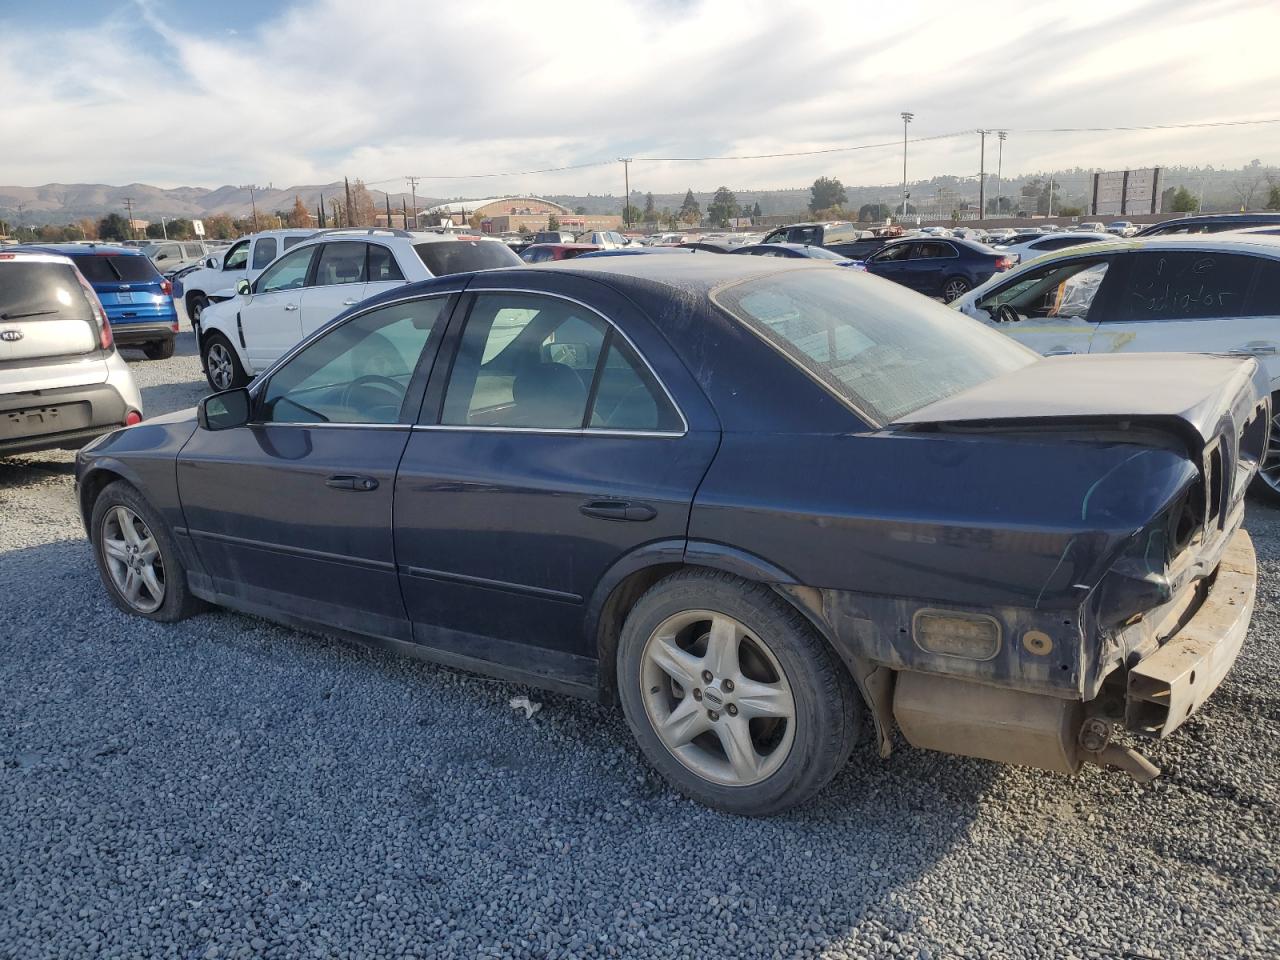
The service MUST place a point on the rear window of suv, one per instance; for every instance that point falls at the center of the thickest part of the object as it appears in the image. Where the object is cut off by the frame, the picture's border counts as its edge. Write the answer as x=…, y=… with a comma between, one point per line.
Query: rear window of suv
x=42, y=291
x=462, y=256
x=117, y=268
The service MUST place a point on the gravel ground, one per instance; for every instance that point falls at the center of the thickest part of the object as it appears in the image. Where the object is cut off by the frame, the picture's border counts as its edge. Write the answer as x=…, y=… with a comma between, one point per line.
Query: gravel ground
x=230, y=788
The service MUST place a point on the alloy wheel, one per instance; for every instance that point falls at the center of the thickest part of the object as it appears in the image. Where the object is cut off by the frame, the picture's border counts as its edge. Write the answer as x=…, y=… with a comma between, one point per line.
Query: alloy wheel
x=717, y=698
x=954, y=289
x=221, y=369
x=1269, y=471
x=133, y=559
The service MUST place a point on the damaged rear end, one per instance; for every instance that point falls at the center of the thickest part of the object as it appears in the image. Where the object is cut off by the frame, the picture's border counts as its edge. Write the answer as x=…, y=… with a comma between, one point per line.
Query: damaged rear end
x=1145, y=610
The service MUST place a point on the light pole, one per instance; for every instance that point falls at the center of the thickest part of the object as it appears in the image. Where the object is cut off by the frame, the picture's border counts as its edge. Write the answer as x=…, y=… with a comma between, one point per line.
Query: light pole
x=1000, y=135
x=982, y=175
x=626, y=190
x=413, y=189
x=907, y=117
x=164, y=229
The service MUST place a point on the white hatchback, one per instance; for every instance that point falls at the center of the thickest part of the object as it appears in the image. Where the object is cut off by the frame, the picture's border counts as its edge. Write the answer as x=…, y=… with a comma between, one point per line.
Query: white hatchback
x=1207, y=293
x=321, y=277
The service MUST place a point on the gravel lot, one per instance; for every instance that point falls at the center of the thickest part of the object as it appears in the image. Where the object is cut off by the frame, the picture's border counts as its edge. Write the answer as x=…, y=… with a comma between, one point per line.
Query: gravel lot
x=229, y=788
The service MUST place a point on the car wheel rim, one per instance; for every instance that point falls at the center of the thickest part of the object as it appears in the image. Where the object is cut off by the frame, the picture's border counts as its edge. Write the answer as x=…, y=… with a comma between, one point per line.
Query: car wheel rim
x=1270, y=469
x=953, y=289
x=717, y=698
x=220, y=369
x=197, y=308
x=133, y=559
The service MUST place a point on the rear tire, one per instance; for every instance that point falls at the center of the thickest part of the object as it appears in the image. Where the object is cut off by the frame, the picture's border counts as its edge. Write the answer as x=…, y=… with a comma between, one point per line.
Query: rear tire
x=196, y=302
x=759, y=744
x=222, y=366
x=160, y=350
x=954, y=288
x=137, y=558
x=1267, y=483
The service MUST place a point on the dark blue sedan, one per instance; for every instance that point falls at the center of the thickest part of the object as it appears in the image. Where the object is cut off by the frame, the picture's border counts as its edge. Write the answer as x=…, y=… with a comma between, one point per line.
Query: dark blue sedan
x=946, y=268
x=794, y=251
x=745, y=498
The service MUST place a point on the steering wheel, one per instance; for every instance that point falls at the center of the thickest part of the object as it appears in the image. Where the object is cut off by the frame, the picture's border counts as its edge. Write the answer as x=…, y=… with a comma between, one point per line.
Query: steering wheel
x=1007, y=314
x=376, y=382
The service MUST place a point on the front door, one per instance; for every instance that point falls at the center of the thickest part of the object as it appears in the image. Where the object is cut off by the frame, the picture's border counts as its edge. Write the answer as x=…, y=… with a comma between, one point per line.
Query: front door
x=338, y=283
x=270, y=316
x=1053, y=309
x=292, y=513
x=551, y=451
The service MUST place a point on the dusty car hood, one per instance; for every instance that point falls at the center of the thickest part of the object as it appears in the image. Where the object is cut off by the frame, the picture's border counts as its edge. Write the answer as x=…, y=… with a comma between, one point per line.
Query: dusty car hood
x=1180, y=390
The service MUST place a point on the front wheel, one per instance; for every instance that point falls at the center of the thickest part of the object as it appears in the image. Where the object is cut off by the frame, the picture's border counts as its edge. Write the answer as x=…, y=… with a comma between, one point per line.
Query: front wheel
x=196, y=303
x=1267, y=483
x=222, y=368
x=954, y=288
x=731, y=694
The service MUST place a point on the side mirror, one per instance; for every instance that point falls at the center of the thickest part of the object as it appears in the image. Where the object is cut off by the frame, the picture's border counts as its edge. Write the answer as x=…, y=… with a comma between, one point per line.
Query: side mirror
x=223, y=411
x=211, y=263
x=243, y=287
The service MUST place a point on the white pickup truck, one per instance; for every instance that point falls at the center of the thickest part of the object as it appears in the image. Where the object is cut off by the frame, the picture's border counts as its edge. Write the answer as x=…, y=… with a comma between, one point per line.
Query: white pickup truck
x=217, y=279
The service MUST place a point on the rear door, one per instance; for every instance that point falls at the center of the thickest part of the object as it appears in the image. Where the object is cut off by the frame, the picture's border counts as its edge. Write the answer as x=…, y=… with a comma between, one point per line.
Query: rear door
x=270, y=317
x=546, y=451
x=926, y=265
x=338, y=282
x=1195, y=301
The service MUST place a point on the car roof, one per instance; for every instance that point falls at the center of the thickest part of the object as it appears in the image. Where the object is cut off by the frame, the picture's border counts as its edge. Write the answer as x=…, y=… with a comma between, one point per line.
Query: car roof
x=83, y=249
x=13, y=254
x=1258, y=244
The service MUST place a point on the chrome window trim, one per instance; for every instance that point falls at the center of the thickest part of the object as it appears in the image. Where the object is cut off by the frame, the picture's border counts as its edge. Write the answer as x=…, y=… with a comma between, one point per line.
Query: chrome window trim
x=555, y=431
x=684, y=421
x=338, y=425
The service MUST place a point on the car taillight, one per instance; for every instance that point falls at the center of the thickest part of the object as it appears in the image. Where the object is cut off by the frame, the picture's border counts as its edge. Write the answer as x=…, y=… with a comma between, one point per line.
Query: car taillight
x=1004, y=263
x=132, y=417
x=104, y=325
x=166, y=288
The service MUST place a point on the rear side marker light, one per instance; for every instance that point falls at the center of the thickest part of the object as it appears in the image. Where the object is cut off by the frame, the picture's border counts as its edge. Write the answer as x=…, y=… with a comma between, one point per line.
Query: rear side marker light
x=174, y=326
x=954, y=633
x=132, y=417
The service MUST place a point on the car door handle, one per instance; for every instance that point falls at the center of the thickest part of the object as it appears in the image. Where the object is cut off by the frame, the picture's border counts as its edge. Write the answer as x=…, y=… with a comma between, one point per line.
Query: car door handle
x=350, y=303
x=617, y=510
x=291, y=306
x=1255, y=349
x=344, y=481
x=1061, y=352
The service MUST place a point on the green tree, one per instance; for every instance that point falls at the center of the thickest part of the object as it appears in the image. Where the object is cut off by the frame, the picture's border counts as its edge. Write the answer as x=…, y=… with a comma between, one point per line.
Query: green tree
x=631, y=213
x=1273, y=198
x=756, y=212
x=1000, y=206
x=1183, y=201
x=690, y=210
x=826, y=192
x=524, y=230
x=874, y=212
x=650, y=214
x=553, y=222
x=113, y=227
x=155, y=231
x=580, y=210
x=723, y=207
x=1069, y=211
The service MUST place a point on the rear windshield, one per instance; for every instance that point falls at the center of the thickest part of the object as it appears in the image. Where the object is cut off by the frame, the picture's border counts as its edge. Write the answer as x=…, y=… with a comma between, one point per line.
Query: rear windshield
x=41, y=291
x=108, y=268
x=881, y=347
x=462, y=256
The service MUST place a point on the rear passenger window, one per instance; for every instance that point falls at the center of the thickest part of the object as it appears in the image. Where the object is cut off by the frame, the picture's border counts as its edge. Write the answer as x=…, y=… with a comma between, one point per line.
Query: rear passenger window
x=627, y=396
x=264, y=251
x=341, y=263
x=1186, y=285
x=382, y=264
x=1265, y=301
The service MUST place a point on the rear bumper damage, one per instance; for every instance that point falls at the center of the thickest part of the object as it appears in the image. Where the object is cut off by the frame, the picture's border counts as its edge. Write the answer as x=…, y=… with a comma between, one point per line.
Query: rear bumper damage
x=1162, y=690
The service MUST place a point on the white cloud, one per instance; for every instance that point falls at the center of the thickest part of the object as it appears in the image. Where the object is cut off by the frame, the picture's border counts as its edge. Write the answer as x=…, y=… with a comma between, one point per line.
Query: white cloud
x=391, y=87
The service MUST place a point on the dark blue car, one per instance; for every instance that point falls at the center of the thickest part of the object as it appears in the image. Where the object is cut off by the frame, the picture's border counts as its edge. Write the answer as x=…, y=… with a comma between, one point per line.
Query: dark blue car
x=746, y=498
x=938, y=267
x=794, y=251
x=137, y=299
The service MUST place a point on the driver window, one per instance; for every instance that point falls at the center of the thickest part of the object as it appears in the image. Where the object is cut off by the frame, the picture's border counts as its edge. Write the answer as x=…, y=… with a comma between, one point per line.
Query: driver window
x=289, y=273
x=237, y=257
x=1061, y=291
x=358, y=372
x=897, y=251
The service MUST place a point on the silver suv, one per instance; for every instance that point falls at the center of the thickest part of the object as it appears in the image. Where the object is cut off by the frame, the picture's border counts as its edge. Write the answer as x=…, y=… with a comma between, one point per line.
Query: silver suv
x=61, y=379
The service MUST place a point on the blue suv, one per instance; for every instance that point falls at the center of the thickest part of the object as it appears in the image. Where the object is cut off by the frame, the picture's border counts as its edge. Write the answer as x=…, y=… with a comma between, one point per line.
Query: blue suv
x=137, y=299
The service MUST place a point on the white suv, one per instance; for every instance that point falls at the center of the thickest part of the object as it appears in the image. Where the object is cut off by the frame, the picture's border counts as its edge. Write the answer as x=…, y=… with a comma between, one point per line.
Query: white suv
x=320, y=278
x=61, y=379
x=243, y=260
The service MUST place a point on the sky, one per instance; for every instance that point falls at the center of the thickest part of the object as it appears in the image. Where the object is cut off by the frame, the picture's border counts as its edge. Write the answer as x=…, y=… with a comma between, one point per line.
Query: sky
x=176, y=93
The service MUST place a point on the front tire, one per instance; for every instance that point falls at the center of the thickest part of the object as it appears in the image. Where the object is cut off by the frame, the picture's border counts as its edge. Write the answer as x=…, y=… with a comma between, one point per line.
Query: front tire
x=732, y=695
x=196, y=302
x=222, y=367
x=1267, y=483
x=136, y=556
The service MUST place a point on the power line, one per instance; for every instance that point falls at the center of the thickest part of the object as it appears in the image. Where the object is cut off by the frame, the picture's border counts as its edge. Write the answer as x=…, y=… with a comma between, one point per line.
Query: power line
x=1155, y=126
x=804, y=153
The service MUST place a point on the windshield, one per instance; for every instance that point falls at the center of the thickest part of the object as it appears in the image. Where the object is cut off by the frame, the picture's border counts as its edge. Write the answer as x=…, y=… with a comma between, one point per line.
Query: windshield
x=100, y=268
x=462, y=256
x=881, y=347
x=37, y=290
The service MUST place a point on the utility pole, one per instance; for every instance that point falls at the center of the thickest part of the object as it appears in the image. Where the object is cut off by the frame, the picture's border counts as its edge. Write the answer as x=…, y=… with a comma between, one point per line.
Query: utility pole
x=907, y=117
x=1000, y=135
x=982, y=176
x=164, y=229
x=413, y=189
x=128, y=205
x=626, y=190
x=253, y=203
x=1050, y=195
